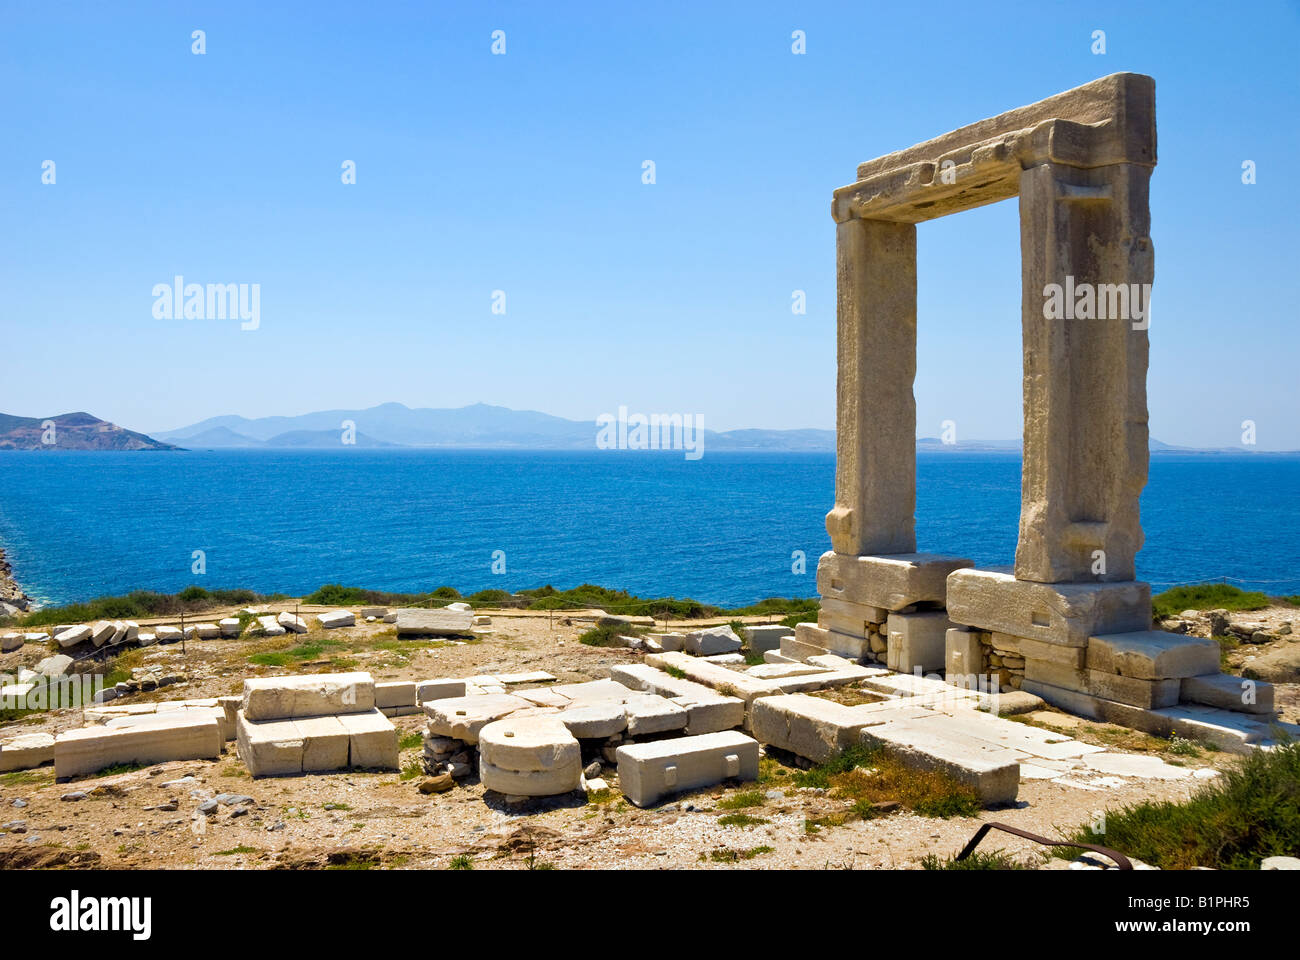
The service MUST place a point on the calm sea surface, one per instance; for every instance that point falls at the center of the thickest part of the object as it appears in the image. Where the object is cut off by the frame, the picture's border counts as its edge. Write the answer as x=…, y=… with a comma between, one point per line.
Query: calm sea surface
x=721, y=529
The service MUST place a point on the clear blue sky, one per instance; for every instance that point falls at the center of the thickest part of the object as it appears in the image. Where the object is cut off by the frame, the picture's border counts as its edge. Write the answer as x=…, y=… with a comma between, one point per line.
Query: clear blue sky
x=523, y=173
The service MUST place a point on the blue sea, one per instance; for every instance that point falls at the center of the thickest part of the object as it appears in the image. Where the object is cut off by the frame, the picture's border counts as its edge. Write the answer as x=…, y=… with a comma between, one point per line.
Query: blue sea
x=725, y=529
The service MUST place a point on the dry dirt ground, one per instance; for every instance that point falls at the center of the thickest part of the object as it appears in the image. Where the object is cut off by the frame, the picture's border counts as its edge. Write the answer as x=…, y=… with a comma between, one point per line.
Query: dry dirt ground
x=148, y=818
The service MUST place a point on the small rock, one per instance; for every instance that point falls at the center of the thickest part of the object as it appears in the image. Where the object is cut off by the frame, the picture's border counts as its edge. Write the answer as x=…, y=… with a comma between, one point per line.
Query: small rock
x=278, y=825
x=775, y=794
x=239, y=812
x=592, y=770
x=19, y=802
x=74, y=795
x=20, y=826
x=208, y=807
x=439, y=784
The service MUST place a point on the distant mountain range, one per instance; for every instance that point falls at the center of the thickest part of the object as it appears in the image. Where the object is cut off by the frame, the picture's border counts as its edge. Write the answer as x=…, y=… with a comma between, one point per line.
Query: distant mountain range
x=71, y=431
x=478, y=425
x=395, y=425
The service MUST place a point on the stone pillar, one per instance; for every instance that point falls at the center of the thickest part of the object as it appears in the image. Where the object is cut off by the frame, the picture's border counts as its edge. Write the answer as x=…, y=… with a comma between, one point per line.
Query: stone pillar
x=1085, y=447
x=875, y=462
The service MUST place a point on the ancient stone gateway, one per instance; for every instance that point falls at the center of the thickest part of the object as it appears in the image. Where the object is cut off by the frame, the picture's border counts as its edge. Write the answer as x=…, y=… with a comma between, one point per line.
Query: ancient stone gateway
x=1080, y=163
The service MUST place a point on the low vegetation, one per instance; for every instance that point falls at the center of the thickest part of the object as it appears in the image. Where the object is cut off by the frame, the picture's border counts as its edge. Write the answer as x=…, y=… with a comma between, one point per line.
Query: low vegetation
x=1249, y=812
x=1206, y=596
x=609, y=635
x=996, y=860
x=874, y=782
x=141, y=604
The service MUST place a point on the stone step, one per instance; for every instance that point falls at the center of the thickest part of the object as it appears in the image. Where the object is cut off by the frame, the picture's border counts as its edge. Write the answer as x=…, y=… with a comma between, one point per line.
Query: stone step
x=1227, y=692
x=1152, y=655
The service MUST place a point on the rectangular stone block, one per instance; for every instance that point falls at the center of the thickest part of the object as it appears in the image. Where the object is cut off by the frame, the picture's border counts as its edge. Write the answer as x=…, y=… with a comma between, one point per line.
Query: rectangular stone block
x=90, y=749
x=337, y=618
x=670, y=642
x=324, y=744
x=292, y=622
x=832, y=642
x=713, y=641
x=647, y=772
x=892, y=581
x=802, y=645
x=1062, y=613
x=441, y=622
x=917, y=641
x=707, y=710
x=763, y=637
x=72, y=635
x=963, y=657
x=443, y=688
x=729, y=683
x=26, y=751
x=990, y=772
x=844, y=616
x=809, y=727
x=372, y=740
x=268, y=624
x=1148, y=694
x=271, y=748
x=1153, y=655
x=1229, y=693
x=649, y=713
x=396, y=693
x=308, y=695
x=1072, y=657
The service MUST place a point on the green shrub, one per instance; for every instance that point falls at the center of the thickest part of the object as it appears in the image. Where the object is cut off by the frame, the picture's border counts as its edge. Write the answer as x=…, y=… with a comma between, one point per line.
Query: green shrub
x=1205, y=596
x=1249, y=812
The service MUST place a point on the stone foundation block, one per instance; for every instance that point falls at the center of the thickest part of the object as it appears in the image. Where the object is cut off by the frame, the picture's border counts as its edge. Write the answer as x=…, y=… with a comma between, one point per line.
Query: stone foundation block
x=1153, y=655
x=963, y=657
x=1229, y=693
x=1148, y=694
x=324, y=744
x=831, y=641
x=890, y=581
x=308, y=695
x=1061, y=613
x=917, y=640
x=372, y=740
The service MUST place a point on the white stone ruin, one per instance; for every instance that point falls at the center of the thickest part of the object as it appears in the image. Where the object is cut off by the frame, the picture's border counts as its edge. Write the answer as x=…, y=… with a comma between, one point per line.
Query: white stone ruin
x=1070, y=622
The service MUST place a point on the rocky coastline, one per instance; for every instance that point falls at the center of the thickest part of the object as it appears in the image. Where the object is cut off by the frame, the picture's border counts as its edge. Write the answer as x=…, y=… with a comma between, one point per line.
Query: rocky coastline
x=12, y=598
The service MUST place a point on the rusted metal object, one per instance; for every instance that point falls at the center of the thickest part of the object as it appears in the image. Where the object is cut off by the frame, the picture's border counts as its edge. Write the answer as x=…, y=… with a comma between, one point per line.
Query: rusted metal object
x=1121, y=861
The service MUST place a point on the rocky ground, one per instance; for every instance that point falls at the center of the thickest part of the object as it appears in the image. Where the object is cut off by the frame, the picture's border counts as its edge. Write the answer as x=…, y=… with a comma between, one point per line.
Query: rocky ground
x=150, y=817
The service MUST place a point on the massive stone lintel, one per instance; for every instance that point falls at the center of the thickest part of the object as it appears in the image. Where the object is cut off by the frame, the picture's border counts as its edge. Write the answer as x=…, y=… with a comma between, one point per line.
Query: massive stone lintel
x=1111, y=120
x=1059, y=613
x=890, y=582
